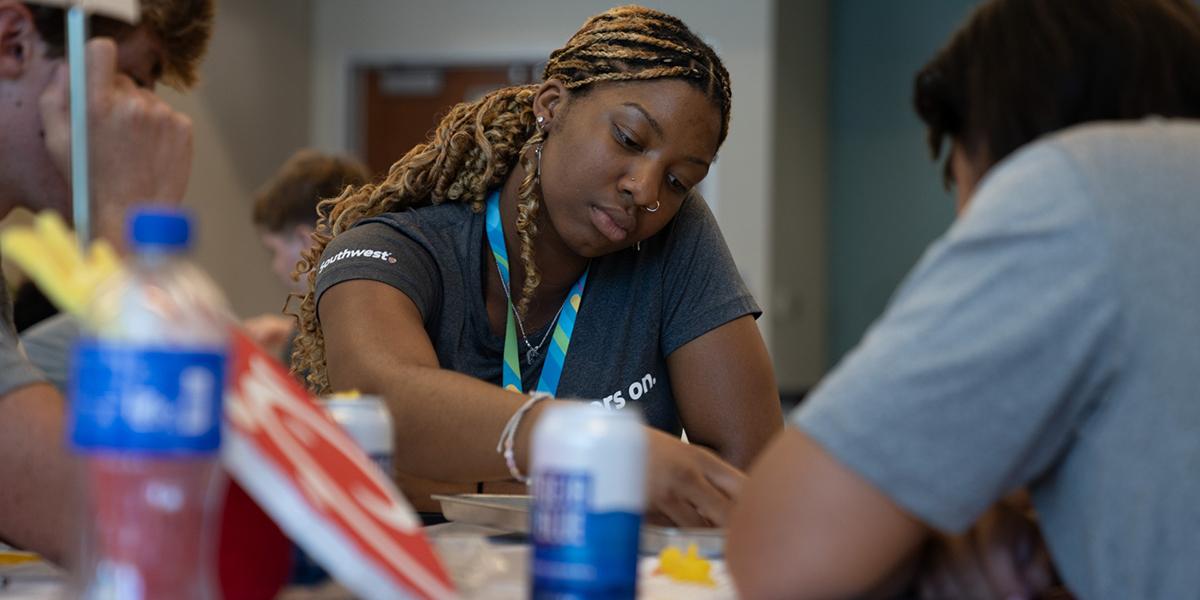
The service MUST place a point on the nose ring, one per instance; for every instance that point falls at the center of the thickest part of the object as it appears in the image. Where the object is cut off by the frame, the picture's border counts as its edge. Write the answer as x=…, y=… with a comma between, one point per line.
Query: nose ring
x=657, y=205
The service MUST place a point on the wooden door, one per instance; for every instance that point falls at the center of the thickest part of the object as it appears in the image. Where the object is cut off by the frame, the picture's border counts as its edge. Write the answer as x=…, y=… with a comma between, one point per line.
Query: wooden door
x=401, y=106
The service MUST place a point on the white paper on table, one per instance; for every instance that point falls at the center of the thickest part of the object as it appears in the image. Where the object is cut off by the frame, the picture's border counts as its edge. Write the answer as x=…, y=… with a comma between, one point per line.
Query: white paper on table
x=32, y=581
x=483, y=570
x=125, y=10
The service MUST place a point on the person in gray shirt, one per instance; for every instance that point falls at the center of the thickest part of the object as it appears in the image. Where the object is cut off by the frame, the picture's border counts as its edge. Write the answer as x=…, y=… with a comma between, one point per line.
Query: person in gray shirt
x=557, y=218
x=1048, y=341
x=141, y=149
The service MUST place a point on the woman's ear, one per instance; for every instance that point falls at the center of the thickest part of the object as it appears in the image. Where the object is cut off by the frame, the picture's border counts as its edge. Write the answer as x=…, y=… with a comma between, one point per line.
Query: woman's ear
x=549, y=101
x=17, y=37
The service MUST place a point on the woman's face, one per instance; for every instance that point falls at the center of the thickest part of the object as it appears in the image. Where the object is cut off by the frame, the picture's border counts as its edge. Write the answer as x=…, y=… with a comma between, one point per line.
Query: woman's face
x=618, y=150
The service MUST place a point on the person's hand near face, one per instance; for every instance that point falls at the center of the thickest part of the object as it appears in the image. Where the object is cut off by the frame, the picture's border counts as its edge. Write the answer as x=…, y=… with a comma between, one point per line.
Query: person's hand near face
x=141, y=148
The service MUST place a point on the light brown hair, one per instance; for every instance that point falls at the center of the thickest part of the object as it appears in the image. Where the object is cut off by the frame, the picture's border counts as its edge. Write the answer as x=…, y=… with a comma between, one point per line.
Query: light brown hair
x=308, y=177
x=183, y=26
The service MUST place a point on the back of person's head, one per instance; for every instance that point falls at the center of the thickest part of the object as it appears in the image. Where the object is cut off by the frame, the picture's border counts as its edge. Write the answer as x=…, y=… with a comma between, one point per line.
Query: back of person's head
x=290, y=198
x=184, y=28
x=478, y=144
x=1020, y=69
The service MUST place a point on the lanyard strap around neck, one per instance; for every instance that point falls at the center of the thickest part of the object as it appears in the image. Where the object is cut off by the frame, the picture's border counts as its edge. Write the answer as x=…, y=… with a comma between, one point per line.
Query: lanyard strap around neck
x=556, y=354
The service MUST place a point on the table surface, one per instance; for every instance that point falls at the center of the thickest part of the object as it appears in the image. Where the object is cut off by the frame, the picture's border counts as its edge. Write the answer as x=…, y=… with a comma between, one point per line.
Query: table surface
x=481, y=566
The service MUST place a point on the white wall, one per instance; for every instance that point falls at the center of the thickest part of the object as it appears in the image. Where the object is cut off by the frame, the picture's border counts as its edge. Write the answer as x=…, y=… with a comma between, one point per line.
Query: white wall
x=349, y=32
x=799, y=304
x=250, y=112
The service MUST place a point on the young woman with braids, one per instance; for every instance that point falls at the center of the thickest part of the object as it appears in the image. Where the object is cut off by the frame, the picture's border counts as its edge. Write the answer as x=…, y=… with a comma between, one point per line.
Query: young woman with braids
x=587, y=180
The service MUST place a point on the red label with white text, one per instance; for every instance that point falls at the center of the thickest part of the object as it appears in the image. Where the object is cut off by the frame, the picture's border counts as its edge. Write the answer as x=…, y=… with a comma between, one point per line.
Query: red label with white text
x=319, y=486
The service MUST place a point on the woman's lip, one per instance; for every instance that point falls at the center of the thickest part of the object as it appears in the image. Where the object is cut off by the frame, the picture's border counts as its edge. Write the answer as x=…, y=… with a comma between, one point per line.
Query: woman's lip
x=607, y=225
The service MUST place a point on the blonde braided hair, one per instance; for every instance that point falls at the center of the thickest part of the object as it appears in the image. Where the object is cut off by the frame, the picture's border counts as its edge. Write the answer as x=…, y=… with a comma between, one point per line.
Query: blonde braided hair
x=477, y=145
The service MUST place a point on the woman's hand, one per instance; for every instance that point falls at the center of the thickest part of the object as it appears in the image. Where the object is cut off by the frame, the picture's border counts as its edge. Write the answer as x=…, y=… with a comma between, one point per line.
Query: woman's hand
x=687, y=485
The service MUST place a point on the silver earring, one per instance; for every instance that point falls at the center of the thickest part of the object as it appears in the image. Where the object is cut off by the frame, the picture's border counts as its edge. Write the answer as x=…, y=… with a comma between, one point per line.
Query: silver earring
x=638, y=246
x=541, y=122
x=538, y=152
x=657, y=205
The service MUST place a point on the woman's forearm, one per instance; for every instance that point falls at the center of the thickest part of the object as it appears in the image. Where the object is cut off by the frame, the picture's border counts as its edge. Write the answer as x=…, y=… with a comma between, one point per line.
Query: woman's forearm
x=447, y=424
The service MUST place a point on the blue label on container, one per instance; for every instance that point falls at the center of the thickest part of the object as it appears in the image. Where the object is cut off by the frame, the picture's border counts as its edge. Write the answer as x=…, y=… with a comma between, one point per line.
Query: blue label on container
x=580, y=553
x=132, y=398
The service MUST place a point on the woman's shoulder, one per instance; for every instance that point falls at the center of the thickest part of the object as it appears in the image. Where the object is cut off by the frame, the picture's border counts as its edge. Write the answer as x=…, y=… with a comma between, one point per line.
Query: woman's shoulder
x=426, y=218
x=693, y=225
x=431, y=228
x=695, y=215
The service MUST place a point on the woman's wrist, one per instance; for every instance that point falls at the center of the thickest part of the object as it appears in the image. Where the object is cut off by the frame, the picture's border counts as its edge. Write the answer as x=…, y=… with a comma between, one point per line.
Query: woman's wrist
x=517, y=436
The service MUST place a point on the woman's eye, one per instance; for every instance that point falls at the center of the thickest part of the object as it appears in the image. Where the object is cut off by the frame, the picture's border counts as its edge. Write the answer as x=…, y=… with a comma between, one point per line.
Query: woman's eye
x=624, y=139
x=676, y=184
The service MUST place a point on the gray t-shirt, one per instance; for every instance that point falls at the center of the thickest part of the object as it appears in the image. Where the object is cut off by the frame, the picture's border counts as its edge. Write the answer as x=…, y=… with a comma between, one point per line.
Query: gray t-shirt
x=1051, y=339
x=638, y=307
x=48, y=346
x=15, y=370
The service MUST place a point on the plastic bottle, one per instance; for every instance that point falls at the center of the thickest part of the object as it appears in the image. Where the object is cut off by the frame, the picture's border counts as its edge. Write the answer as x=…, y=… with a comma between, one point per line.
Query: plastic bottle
x=147, y=391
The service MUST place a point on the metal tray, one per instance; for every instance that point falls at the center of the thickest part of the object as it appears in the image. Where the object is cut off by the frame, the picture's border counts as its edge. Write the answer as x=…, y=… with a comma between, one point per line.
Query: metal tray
x=511, y=513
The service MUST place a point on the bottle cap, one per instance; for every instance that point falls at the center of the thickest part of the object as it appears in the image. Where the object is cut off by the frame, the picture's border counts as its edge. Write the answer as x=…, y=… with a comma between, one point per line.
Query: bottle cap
x=161, y=227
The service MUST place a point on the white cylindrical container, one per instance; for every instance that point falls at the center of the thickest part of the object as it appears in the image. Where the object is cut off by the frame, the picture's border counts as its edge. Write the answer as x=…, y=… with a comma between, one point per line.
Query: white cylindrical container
x=588, y=476
x=368, y=422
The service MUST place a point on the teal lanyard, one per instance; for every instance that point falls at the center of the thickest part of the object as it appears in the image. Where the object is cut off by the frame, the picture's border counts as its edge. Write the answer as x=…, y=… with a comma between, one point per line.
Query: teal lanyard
x=556, y=355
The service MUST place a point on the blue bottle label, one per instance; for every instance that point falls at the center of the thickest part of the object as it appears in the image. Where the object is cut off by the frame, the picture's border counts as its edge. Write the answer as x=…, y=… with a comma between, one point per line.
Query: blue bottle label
x=134, y=398
x=580, y=552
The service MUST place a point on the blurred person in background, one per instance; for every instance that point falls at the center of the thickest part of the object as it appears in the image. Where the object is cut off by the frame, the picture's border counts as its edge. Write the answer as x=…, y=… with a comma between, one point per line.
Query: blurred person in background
x=140, y=148
x=589, y=179
x=1047, y=341
x=285, y=212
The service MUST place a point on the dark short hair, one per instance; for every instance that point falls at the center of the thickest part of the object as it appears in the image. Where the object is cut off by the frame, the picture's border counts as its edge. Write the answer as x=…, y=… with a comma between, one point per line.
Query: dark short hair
x=183, y=26
x=291, y=196
x=1020, y=69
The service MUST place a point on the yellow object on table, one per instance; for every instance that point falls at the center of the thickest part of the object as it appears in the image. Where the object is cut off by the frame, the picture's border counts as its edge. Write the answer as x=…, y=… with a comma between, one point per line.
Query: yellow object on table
x=16, y=557
x=47, y=252
x=687, y=568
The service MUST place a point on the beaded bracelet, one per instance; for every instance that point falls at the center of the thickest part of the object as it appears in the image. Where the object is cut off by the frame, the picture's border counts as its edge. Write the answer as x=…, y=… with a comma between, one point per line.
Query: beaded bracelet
x=509, y=435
